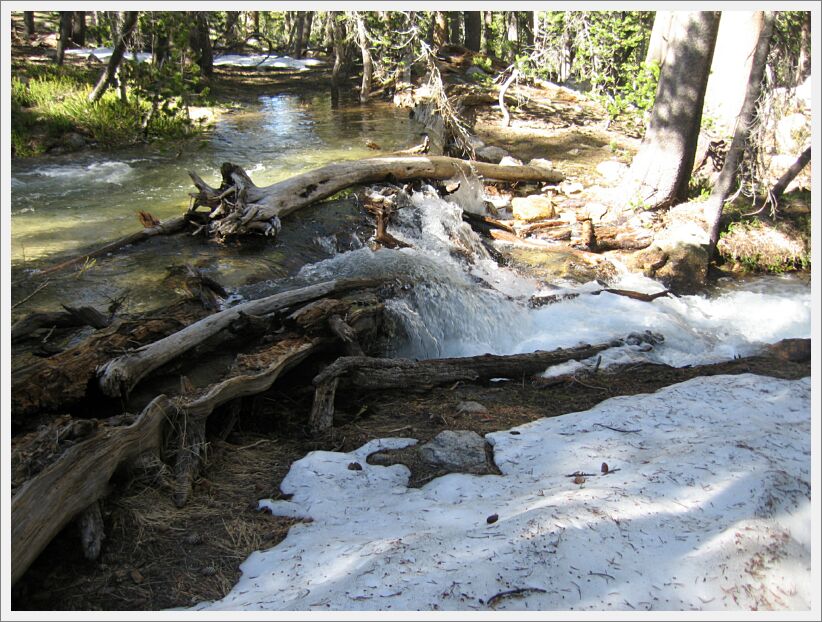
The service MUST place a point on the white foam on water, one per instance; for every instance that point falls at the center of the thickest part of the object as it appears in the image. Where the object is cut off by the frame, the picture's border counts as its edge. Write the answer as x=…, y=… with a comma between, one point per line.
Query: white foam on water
x=458, y=307
x=107, y=172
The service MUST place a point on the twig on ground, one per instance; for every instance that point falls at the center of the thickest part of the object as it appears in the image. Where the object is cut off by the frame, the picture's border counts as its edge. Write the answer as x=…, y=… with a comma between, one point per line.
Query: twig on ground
x=519, y=590
x=602, y=425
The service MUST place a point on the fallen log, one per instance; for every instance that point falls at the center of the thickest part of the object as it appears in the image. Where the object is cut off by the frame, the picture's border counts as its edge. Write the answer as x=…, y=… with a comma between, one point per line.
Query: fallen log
x=46, y=503
x=239, y=207
x=610, y=238
x=380, y=373
x=71, y=317
x=120, y=375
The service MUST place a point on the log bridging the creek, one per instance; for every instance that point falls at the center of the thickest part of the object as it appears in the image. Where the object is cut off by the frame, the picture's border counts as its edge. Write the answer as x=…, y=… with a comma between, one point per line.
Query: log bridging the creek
x=239, y=207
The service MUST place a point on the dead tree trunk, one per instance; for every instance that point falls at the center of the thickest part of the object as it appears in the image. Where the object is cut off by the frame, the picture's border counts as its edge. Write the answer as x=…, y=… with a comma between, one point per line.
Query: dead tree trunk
x=787, y=177
x=240, y=207
x=129, y=21
x=28, y=20
x=65, y=35
x=733, y=159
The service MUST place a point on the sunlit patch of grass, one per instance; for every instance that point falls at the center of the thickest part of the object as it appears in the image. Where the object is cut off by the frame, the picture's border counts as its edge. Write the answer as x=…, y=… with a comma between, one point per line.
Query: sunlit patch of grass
x=46, y=105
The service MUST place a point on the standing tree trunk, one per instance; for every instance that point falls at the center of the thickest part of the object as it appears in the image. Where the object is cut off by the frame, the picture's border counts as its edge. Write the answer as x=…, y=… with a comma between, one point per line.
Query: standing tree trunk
x=660, y=172
x=513, y=35
x=309, y=22
x=727, y=177
x=299, y=29
x=455, y=33
x=129, y=21
x=337, y=28
x=487, y=31
x=28, y=20
x=803, y=66
x=526, y=33
x=440, y=29
x=200, y=42
x=255, y=19
x=78, y=28
x=65, y=35
x=473, y=30
x=367, y=64
x=658, y=45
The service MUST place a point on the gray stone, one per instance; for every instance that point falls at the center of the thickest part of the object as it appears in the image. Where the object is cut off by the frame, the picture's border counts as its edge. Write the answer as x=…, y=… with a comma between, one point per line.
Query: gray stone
x=471, y=408
x=74, y=140
x=474, y=70
x=542, y=163
x=510, y=161
x=455, y=450
x=491, y=153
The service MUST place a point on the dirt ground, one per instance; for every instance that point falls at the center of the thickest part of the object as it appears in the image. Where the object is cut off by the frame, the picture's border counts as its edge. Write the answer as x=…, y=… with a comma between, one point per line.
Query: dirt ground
x=157, y=556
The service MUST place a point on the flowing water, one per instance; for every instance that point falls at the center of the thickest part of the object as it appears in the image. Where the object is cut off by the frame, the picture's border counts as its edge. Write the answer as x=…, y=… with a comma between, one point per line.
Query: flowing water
x=454, y=300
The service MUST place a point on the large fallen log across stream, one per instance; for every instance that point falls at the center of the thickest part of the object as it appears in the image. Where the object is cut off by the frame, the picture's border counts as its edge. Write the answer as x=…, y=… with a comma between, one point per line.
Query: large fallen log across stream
x=238, y=206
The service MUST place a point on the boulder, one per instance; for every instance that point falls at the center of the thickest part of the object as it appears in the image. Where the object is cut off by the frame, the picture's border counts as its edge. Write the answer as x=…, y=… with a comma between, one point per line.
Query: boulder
x=533, y=207
x=471, y=408
x=491, y=153
x=73, y=140
x=510, y=161
x=794, y=350
x=542, y=163
x=455, y=450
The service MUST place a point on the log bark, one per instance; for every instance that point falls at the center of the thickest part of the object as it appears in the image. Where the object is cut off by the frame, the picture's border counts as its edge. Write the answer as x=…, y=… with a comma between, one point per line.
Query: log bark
x=119, y=376
x=92, y=531
x=78, y=479
x=260, y=206
x=379, y=373
x=611, y=237
x=71, y=317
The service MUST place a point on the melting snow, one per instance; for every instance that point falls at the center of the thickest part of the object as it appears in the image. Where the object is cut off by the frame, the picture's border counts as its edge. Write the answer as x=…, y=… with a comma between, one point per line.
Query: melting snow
x=706, y=507
x=239, y=60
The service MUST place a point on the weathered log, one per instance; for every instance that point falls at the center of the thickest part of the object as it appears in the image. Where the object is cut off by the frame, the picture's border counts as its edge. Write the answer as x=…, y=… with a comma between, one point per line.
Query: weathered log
x=635, y=295
x=484, y=224
x=61, y=381
x=45, y=504
x=261, y=205
x=346, y=334
x=610, y=238
x=381, y=373
x=119, y=375
x=190, y=450
x=92, y=531
x=167, y=227
x=528, y=229
x=71, y=317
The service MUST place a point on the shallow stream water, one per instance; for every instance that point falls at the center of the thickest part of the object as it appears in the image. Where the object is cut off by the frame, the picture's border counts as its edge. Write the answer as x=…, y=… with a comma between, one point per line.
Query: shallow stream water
x=456, y=300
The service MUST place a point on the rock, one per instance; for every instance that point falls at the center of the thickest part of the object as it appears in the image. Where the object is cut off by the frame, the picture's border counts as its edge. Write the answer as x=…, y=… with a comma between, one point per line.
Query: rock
x=455, y=450
x=571, y=187
x=542, y=163
x=533, y=207
x=510, y=161
x=475, y=143
x=491, y=153
x=794, y=350
x=471, y=408
x=473, y=70
x=612, y=170
x=73, y=140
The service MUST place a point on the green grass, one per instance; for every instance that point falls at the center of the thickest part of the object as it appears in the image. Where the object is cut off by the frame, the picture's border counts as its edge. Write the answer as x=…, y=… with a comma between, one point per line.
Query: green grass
x=47, y=102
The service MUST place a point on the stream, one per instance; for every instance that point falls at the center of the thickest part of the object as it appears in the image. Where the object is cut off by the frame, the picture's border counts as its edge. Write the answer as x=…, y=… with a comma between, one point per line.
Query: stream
x=455, y=301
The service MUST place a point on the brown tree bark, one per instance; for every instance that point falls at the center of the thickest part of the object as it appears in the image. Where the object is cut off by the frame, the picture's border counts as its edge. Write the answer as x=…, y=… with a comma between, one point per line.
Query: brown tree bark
x=28, y=20
x=367, y=63
x=727, y=177
x=200, y=42
x=65, y=34
x=487, y=31
x=78, y=28
x=473, y=30
x=660, y=172
x=127, y=27
x=440, y=29
x=299, y=29
x=454, y=30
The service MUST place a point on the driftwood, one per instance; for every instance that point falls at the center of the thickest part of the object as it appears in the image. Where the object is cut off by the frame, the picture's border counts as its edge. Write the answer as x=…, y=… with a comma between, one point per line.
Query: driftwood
x=71, y=317
x=238, y=206
x=379, y=373
x=541, y=301
x=70, y=485
x=610, y=237
x=60, y=382
x=77, y=480
x=120, y=375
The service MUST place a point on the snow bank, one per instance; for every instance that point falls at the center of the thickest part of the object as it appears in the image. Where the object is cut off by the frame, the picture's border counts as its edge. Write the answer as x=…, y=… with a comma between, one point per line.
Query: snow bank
x=706, y=507
x=238, y=60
